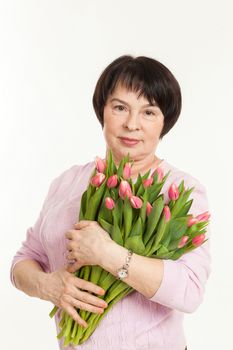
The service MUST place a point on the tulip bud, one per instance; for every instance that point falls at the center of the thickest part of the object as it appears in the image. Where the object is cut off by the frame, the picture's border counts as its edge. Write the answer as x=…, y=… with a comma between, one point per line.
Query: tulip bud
x=148, y=208
x=124, y=189
x=147, y=182
x=98, y=179
x=112, y=181
x=100, y=164
x=109, y=203
x=167, y=213
x=173, y=192
x=127, y=171
x=192, y=221
x=136, y=202
x=203, y=217
x=183, y=241
x=196, y=241
x=159, y=171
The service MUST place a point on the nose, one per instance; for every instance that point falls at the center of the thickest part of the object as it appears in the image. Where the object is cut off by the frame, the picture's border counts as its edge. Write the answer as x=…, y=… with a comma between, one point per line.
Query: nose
x=132, y=121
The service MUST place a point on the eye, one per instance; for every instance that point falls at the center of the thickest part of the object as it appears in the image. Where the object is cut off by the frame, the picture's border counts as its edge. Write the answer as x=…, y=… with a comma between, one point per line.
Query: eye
x=119, y=107
x=149, y=113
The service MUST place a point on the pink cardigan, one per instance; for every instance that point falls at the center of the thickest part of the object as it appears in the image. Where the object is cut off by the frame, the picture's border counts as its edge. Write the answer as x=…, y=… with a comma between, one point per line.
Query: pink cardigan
x=135, y=322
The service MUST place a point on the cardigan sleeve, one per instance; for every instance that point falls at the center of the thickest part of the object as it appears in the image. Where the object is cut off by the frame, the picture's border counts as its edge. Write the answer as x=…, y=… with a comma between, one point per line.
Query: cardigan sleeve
x=183, y=282
x=32, y=247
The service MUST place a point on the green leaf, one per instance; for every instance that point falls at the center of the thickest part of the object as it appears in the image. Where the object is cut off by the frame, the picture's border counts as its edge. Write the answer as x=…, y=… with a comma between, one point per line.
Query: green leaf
x=106, y=226
x=142, y=212
x=105, y=213
x=127, y=212
x=180, y=202
x=118, y=211
x=153, y=218
x=164, y=255
x=167, y=237
x=120, y=169
x=181, y=186
x=114, y=193
x=173, y=244
x=109, y=170
x=140, y=191
x=145, y=176
x=185, y=209
x=178, y=227
x=95, y=202
x=163, y=226
x=137, y=228
x=162, y=250
x=83, y=204
x=135, y=244
x=155, y=192
x=117, y=234
x=137, y=184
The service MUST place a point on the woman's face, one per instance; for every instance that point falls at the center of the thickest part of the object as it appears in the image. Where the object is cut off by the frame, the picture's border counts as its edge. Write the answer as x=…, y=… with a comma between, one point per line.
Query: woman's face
x=127, y=116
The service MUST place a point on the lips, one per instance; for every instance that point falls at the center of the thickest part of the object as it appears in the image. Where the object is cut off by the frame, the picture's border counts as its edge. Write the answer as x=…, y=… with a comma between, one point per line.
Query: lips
x=128, y=139
x=129, y=142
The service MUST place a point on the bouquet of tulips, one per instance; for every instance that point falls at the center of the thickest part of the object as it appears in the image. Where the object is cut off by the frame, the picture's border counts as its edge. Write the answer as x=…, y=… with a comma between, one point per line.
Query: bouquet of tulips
x=136, y=217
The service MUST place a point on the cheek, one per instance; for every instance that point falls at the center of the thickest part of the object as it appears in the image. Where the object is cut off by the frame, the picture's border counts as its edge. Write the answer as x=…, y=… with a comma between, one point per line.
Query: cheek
x=111, y=126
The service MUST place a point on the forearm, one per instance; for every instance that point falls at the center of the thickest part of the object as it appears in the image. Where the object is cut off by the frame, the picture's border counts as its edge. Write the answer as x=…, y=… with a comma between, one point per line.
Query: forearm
x=145, y=274
x=30, y=278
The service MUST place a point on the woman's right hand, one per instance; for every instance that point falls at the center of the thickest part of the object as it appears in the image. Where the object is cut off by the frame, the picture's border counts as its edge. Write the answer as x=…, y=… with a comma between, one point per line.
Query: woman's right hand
x=68, y=292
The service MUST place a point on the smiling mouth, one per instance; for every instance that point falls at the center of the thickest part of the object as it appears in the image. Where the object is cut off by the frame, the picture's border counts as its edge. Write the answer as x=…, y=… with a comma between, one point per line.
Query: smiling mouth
x=129, y=139
x=129, y=142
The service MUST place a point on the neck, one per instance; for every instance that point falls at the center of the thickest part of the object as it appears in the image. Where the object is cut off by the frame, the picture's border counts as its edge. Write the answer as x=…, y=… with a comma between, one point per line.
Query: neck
x=140, y=165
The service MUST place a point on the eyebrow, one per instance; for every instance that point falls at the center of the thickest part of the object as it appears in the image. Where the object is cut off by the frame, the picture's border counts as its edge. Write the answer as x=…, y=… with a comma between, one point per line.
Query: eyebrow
x=121, y=101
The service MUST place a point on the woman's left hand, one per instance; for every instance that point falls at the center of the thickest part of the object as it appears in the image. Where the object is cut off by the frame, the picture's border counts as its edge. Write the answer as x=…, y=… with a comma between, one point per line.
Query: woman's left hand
x=85, y=244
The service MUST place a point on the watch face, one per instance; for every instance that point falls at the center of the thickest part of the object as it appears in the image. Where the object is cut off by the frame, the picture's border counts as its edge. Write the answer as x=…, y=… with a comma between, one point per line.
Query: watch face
x=122, y=273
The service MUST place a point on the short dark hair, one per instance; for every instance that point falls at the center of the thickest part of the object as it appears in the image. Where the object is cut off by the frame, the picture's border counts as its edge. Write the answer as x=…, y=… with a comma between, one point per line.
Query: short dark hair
x=145, y=75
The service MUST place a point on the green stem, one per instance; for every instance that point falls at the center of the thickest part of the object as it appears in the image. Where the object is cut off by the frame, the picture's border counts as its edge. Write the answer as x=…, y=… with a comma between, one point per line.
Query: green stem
x=95, y=319
x=53, y=312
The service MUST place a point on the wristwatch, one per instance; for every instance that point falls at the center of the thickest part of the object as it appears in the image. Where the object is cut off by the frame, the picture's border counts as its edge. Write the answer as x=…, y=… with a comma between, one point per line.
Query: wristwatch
x=123, y=271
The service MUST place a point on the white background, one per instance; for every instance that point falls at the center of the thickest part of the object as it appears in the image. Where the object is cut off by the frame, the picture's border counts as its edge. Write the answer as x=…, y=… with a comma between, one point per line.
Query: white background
x=51, y=55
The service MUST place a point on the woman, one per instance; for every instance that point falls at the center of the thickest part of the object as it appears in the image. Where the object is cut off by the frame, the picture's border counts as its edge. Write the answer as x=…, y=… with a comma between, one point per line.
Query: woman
x=137, y=101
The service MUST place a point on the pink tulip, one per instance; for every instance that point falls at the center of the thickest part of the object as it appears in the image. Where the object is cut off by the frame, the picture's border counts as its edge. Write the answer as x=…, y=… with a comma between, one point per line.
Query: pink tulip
x=198, y=239
x=127, y=171
x=173, y=192
x=192, y=221
x=159, y=171
x=203, y=217
x=125, y=189
x=136, y=202
x=97, y=179
x=112, y=181
x=148, y=182
x=100, y=164
x=183, y=241
x=109, y=203
x=148, y=208
x=167, y=213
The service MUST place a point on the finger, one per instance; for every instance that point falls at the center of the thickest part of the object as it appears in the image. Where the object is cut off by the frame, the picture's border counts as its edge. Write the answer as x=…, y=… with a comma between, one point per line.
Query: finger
x=89, y=286
x=83, y=305
x=69, y=235
x=90, y=299
x=83, y=223
x=74, y=314
x=73, y=267
x=70, y=256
